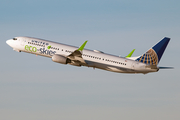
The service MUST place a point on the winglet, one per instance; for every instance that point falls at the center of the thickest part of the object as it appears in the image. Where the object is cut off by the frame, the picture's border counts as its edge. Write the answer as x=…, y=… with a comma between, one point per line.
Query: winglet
x=82, y=46
x=130, y=54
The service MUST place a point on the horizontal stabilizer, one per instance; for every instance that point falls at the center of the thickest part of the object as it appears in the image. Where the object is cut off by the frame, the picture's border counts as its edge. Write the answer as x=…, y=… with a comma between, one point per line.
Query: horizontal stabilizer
x=166, y=67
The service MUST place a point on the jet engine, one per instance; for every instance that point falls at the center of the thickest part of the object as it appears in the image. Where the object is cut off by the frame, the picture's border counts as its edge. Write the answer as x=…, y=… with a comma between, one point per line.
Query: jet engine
x=60, y=59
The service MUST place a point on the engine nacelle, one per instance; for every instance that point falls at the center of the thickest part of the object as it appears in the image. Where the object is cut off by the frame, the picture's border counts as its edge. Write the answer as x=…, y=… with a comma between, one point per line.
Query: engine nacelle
x=59, y=59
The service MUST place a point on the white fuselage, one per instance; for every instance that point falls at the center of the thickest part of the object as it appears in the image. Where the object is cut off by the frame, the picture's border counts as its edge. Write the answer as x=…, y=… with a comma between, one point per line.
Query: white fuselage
x=95, y=59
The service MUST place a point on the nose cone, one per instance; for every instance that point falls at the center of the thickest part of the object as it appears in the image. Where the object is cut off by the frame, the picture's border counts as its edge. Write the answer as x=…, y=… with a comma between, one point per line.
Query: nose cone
x=8, y=42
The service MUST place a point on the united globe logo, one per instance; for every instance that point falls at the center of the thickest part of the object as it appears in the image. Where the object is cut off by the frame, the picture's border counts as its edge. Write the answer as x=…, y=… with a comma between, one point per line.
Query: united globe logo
x=150, y=57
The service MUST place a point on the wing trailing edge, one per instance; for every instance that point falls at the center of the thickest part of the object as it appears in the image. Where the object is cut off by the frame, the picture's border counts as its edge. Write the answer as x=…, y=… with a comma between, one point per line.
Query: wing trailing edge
x=76, y=56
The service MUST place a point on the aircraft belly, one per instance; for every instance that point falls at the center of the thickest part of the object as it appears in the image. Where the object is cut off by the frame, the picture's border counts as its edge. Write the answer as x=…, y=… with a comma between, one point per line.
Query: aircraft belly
x=109, y=67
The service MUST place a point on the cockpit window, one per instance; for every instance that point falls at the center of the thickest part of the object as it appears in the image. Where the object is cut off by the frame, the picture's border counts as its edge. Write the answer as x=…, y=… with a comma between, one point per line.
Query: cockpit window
x=14, y=38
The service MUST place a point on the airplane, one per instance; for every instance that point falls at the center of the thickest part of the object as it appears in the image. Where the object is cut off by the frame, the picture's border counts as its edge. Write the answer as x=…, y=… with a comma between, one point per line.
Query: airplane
x=67, y=54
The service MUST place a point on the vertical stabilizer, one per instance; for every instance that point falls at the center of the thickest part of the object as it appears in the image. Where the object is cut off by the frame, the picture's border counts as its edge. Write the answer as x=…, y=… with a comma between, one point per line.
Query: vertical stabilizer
x=153, y=55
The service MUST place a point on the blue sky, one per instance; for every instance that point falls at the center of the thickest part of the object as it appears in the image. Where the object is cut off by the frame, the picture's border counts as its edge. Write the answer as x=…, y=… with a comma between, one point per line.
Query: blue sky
x=36, y=88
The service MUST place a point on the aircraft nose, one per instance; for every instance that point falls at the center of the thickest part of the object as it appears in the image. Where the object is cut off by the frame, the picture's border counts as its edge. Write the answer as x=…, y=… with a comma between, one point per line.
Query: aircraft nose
x=9, y=42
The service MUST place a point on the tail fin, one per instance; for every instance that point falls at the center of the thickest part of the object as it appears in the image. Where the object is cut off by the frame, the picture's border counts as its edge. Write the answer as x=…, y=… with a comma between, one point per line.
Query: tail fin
x=153, y=55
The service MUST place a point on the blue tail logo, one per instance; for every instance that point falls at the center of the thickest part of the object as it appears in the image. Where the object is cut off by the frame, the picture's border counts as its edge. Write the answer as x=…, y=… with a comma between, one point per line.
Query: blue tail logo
x=153, y=55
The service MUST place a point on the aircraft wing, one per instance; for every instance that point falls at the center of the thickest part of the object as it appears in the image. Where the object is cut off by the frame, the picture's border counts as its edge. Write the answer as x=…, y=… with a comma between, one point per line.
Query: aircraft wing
x=76, y=56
